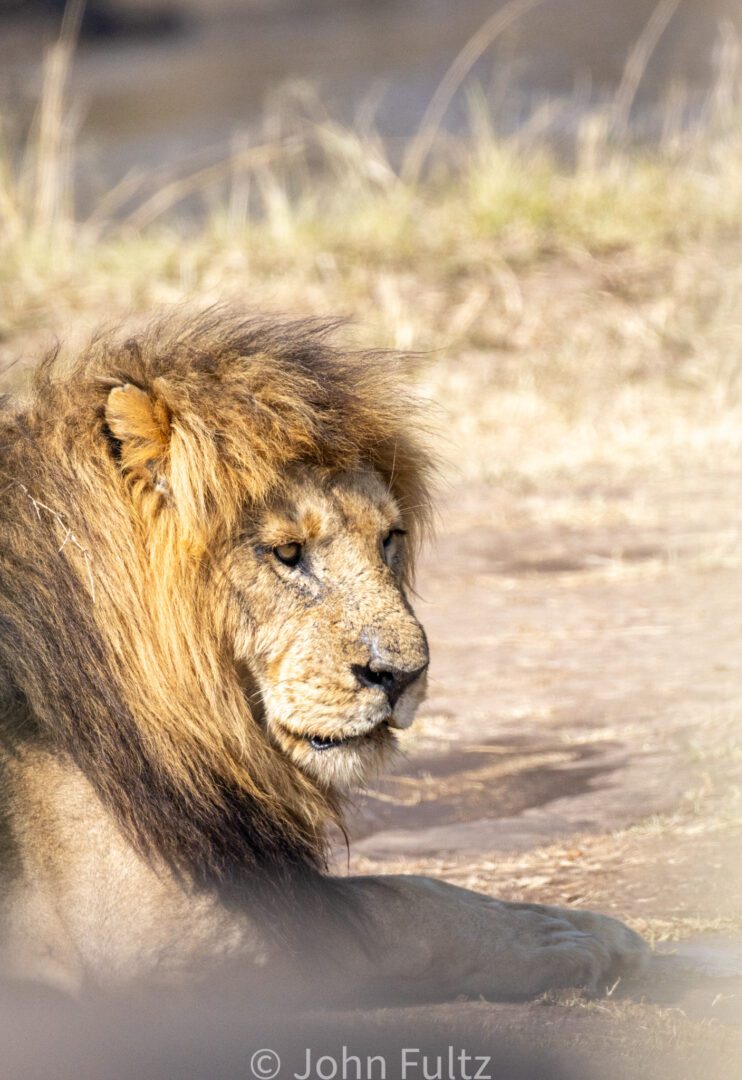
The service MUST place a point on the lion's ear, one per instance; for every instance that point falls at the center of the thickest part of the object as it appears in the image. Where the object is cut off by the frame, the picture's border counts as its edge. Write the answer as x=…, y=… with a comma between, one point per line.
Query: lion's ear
x=141, y=426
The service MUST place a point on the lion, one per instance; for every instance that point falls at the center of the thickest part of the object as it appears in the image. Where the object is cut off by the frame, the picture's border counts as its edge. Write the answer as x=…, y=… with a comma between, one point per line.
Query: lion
x=207, y=540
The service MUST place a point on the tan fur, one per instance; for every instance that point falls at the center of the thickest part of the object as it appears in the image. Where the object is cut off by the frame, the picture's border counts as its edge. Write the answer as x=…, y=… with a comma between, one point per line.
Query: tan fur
x=182, y=709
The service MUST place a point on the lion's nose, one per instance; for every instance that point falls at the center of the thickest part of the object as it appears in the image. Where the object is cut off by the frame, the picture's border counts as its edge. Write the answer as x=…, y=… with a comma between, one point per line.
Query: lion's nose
x=382, y=675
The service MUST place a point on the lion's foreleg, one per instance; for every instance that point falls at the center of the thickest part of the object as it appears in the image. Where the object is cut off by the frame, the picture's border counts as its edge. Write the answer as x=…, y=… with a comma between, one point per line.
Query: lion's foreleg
x=431, y=939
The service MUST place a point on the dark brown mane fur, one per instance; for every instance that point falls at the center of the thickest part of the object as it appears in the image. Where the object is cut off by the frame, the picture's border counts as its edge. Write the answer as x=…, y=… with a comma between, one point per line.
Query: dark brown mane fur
x=111, y=638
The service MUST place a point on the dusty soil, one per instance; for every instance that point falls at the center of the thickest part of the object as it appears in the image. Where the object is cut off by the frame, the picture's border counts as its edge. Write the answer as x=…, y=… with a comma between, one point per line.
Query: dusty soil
x=581, y=744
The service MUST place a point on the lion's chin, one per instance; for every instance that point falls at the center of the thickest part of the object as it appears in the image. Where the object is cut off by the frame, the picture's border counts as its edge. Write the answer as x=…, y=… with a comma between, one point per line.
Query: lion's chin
x=343, y=763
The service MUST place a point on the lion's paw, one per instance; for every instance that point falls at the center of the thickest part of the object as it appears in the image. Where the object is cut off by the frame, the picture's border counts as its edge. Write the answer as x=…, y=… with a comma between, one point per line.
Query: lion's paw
x=627, y=950
x=578, y=948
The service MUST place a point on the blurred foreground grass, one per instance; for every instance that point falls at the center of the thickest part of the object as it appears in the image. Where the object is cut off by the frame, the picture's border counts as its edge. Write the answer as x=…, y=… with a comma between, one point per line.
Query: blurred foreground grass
x=582, y=310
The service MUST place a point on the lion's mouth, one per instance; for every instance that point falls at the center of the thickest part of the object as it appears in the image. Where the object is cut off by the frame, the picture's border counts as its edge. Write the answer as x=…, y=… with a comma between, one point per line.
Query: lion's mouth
x=322, y=743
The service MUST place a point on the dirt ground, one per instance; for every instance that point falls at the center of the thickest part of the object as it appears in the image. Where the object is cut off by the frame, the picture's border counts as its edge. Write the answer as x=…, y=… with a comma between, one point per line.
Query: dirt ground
x=581, y=745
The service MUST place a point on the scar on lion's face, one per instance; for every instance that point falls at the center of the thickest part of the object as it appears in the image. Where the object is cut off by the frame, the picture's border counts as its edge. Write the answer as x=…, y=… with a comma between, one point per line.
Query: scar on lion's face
x=335, y=655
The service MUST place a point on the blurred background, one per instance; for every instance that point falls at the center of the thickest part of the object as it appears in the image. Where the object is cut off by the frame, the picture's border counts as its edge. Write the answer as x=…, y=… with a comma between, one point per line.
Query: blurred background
x=546, y=200
x=158, y=80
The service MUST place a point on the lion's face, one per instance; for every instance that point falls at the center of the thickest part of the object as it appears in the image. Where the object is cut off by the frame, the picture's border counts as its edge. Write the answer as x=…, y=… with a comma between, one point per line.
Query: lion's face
x=333, y=655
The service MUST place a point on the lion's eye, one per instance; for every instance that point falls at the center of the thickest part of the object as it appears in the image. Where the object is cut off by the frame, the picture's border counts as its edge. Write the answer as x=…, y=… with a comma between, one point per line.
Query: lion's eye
x=388, y=540
x=288, y=554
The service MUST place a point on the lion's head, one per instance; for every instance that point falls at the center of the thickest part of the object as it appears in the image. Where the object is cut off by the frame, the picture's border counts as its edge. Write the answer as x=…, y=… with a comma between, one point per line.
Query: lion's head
x=208, y=532
x=331, y=653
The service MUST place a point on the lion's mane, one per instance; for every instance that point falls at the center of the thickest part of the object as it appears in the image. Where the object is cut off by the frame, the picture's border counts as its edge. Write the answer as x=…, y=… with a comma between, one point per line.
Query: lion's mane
x=112, y=645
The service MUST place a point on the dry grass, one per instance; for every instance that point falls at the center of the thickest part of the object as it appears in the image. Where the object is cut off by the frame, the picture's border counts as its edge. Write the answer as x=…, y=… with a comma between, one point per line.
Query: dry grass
x=593, y=302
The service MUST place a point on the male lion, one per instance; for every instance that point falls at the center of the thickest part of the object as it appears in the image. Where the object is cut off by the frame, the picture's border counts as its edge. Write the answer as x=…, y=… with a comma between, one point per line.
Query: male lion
x=206, y=541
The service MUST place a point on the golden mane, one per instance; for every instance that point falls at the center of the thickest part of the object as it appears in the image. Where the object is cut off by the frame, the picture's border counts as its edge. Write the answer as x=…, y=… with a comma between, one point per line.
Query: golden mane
x=128, y=471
